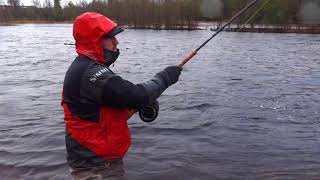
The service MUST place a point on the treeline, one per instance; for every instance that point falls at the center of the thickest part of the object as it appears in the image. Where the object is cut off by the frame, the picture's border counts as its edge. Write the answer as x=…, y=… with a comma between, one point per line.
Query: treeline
x=160, y=14
x=157, y=14
x=272, y=12
x=277, y=16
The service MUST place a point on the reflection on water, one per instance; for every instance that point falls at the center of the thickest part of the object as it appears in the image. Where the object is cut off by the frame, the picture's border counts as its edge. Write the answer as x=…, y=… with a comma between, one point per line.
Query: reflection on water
x=248, y=106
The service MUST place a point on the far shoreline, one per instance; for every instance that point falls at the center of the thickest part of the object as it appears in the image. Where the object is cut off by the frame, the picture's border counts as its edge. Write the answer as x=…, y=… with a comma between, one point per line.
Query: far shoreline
x=279, y=30
x=13, y=23
x=304, y=29
x=184, y=28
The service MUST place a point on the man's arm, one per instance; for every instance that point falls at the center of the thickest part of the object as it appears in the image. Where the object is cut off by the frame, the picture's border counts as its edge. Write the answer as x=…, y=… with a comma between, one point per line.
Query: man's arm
x=101, y=86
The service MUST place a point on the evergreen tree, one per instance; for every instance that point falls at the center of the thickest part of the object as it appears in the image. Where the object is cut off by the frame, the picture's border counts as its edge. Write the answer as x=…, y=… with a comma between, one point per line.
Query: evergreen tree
x=58, y=13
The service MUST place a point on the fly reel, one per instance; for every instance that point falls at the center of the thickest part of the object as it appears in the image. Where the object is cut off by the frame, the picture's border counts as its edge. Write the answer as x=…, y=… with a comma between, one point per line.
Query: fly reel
x=150, y=112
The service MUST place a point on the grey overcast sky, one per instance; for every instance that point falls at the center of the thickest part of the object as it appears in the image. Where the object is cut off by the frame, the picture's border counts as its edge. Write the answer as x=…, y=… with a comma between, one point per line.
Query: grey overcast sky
x=29, y=2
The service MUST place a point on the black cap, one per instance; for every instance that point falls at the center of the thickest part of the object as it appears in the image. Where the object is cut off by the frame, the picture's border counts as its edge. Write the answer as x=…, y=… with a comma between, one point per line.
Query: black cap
x=114, y=32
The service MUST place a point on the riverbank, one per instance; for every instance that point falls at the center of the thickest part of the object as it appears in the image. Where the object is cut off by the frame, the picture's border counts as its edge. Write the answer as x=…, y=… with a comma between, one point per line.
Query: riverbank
x=13, y=23
x=155, y=27
x=274, y=30
x=300, y=29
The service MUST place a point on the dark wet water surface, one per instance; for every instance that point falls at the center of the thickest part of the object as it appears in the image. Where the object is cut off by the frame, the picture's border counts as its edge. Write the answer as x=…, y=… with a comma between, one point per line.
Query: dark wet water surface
x=247, y=107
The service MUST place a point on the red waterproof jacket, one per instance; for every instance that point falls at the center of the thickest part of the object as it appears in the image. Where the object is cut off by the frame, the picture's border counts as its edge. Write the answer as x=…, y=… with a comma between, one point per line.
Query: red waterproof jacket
x=102, y=131
x=95, y=100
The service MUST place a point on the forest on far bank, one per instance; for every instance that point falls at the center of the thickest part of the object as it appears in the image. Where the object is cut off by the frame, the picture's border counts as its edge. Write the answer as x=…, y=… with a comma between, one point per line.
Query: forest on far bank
x=165, y=14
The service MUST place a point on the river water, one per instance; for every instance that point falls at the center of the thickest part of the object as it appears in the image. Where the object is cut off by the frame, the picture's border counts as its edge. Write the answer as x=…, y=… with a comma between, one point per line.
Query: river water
x=246, y=107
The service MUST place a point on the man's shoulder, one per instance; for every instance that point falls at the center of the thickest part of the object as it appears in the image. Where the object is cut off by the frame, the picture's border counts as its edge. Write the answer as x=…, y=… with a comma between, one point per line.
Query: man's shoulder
x=96, y=71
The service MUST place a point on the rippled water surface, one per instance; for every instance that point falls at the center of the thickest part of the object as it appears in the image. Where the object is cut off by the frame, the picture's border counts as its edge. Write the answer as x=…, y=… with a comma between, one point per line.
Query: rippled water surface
x=247, y=107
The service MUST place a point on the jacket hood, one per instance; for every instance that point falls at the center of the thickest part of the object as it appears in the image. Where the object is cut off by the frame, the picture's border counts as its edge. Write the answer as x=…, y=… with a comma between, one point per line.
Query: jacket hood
x=88, y=29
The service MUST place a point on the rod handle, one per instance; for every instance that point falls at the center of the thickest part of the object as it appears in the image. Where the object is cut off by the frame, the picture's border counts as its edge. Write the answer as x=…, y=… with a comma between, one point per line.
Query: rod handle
x=190, y=56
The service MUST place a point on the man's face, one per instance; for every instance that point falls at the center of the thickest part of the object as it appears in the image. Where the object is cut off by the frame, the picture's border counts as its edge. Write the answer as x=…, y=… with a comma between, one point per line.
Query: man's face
x=110, y=43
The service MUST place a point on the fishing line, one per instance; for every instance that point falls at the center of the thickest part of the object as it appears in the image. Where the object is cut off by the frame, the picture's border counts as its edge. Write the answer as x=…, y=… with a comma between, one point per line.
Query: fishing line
x=192, y=54
x=150, y=113
x=256, y=13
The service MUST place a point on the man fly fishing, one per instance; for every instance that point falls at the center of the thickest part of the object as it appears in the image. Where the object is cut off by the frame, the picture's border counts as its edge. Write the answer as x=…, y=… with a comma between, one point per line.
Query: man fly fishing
x=97, y=102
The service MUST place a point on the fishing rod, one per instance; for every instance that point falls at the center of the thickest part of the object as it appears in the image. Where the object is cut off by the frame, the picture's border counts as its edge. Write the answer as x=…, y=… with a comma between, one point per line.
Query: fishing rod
x=192, y=54
x=149, y=113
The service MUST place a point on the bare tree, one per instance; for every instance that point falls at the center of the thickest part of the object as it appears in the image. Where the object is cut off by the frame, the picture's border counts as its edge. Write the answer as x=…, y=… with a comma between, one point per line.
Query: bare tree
x=14, y=3
x=58, y=10
x=82, y=3
x=2, y=2
x=47, y=4
x=36, y=3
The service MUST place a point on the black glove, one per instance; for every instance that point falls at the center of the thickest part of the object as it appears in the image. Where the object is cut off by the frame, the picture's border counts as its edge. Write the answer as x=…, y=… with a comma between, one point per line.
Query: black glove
x=170, y=74
x=155, y=87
